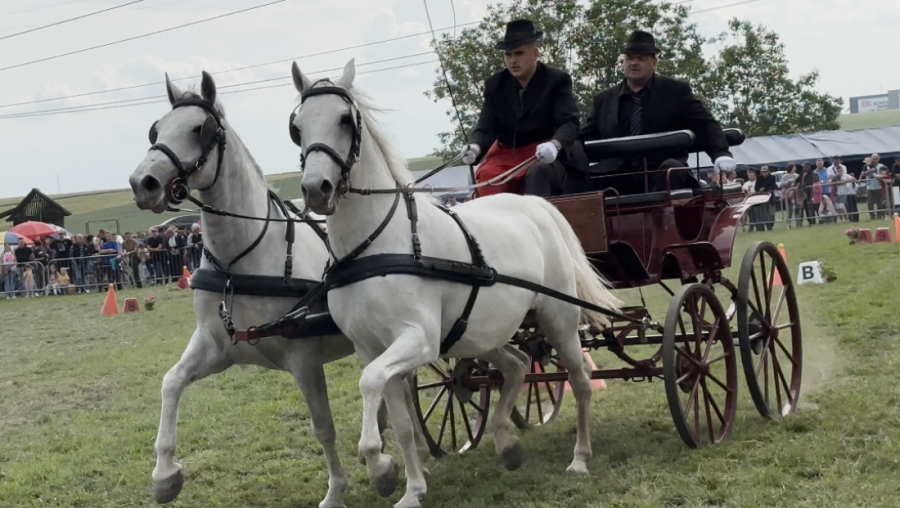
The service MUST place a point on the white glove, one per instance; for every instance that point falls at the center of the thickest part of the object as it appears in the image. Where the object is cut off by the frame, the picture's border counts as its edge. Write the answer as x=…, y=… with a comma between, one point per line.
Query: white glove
x=547, y=152
x=724, y=163
x=470, y=153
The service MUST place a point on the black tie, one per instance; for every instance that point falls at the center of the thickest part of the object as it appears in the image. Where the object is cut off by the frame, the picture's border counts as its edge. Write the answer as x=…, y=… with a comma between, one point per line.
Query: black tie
x=637, y=128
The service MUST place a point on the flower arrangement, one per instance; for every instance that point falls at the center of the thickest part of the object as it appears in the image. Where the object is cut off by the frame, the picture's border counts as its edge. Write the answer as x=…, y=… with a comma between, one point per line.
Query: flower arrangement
x=828, y=273
x=852, y=234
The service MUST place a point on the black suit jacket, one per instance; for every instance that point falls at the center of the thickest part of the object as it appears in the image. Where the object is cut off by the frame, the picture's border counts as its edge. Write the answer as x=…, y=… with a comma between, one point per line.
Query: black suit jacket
x=670, y=105
x=546, y=110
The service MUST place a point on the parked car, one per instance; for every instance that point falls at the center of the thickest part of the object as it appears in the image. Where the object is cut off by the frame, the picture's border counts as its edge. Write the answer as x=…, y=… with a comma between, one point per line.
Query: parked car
x=183, y=220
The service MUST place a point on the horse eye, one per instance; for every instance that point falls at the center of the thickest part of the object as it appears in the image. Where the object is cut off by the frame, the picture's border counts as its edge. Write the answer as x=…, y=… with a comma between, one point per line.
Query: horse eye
x=196, y=130
x=346, y=120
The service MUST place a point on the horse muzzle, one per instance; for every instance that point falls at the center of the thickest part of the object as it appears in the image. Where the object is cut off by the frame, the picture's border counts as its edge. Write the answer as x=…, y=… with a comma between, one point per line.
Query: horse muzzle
x=319, y=194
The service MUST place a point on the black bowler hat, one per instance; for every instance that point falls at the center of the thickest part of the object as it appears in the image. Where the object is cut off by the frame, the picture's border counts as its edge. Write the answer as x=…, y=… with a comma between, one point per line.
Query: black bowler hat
x=519, y=33
x=641, y=43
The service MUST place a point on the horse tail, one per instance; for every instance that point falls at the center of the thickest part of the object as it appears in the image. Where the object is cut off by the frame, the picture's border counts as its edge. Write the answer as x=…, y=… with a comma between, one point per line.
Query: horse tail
x=590, y=285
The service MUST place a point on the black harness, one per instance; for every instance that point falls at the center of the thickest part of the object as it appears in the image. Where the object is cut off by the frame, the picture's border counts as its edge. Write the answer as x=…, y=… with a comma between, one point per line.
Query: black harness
x=212, y=135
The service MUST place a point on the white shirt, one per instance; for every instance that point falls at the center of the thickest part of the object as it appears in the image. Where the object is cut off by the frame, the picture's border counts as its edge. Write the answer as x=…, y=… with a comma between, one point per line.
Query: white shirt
x=847, y=189
x=749, y=186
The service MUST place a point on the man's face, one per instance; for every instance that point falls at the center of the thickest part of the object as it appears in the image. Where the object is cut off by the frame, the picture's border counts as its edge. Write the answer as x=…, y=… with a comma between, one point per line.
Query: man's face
x=876, y=158
x=522, y=61
x=21, y=242
x=764, y=172
x=806, y=168
x=751, y=175
x=127, y=237
x=840, y=170
x=154, y=233
x=639, y=67
x=820, y=164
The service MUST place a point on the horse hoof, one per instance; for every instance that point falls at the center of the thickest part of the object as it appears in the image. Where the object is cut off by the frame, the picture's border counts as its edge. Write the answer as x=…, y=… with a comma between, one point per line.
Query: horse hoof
x=386, y=482
x=165, y=491
x=577, y=468
x=512, y=457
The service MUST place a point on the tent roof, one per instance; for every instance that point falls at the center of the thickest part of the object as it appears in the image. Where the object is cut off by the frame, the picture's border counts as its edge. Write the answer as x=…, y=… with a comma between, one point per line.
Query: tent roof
x=814, y=145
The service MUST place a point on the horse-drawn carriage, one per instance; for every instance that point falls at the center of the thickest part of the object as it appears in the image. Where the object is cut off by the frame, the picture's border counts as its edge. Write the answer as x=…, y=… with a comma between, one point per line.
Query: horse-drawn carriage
x=684, y=235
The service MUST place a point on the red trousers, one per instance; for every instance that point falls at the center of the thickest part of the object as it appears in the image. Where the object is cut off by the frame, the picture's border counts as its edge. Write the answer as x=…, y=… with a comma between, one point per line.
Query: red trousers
x=499, y=160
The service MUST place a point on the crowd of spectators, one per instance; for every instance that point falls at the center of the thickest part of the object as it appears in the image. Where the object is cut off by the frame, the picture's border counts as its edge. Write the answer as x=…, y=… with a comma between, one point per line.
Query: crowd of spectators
x=86, y=263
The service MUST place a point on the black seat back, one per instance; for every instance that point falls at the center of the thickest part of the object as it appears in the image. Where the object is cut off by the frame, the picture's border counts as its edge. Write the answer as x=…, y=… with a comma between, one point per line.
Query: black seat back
x=637, y=146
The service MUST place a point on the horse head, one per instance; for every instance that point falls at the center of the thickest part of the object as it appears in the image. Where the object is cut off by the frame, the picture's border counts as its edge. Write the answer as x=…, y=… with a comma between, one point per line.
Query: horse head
x=328, y=129
x=187, y=148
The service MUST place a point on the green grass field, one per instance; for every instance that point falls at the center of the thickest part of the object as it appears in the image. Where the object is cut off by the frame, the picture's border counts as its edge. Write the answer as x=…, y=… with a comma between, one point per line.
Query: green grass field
x=79, y=406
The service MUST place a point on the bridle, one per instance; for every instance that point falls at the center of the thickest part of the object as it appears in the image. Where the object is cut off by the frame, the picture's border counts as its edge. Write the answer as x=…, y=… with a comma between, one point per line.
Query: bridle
x=212, y=135
x=353, y=155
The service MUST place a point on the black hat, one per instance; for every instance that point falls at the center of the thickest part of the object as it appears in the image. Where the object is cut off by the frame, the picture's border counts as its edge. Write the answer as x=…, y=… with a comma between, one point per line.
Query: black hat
x=519, y=33
x=641, y=43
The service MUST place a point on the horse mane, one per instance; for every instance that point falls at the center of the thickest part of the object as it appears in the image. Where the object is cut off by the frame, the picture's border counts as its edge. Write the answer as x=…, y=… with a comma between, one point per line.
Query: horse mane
x=396, y=163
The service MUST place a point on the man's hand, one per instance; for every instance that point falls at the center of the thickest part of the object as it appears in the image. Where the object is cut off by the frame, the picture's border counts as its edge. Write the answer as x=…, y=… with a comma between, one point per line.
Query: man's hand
x=547, y=152
x=724, y=164
x=470, y=153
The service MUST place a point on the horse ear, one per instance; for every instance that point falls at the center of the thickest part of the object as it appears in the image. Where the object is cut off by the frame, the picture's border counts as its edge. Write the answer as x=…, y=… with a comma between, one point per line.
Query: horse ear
x=208, y=88
x=173, y=91
x=346, y=80
x=301, y=82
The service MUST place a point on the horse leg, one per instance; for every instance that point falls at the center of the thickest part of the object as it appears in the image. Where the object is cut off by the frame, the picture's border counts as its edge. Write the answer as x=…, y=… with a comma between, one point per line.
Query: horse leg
x=395, y=395
x=311, y=379
x=512, y=363
x=405, y=354
x=199, y=360
x=559, y=321
x=421, y=443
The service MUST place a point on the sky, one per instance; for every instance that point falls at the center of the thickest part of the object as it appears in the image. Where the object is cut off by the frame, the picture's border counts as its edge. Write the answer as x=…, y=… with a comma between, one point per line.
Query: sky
x=95, y=150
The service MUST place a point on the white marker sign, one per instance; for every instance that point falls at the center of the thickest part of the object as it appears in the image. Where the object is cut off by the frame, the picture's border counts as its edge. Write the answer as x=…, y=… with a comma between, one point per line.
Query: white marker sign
x=810, y=273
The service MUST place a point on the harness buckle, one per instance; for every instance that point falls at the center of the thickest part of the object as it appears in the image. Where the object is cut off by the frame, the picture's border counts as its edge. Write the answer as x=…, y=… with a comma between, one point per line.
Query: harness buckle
x=417, y=245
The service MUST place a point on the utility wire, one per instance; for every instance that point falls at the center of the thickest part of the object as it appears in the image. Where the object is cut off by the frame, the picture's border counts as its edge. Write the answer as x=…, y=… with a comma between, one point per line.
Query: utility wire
x=39, y=8
x=725, y=6
x=70, y=19
x=245, y=67
x=157, y=99
x=23, y=64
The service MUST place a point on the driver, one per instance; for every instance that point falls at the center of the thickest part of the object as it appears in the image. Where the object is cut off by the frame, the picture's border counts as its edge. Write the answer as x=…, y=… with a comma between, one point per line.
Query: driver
x=647, y=103
x=529, y=110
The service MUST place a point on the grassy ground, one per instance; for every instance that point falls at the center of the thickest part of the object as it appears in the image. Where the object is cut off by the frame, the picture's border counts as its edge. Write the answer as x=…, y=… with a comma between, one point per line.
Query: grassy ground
x=79, y=405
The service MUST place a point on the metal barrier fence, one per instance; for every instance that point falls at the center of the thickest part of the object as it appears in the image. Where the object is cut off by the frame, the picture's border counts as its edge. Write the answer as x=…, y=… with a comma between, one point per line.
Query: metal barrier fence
x=789, y=214
x=67, y=275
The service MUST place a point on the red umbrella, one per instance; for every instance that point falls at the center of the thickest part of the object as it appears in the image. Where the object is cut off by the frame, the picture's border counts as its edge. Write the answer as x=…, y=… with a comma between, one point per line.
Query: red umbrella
x=33, y=229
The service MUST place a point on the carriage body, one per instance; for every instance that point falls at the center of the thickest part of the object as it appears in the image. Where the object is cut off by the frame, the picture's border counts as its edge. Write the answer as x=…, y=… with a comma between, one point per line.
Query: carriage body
x=685, y=236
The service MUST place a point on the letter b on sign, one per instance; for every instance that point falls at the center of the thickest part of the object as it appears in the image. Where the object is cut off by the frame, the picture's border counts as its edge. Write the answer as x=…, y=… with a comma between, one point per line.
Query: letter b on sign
x=810, y=273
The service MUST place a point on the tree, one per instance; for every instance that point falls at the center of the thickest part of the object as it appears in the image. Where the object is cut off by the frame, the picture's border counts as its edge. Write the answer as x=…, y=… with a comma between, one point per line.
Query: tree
x=745, y=85
x=753, y=91
x=584, y=39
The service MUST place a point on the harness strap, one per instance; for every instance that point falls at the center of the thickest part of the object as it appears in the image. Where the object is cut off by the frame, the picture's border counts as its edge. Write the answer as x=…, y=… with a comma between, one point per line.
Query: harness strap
x=227, y=268
x=368, y=241
x=413, y=213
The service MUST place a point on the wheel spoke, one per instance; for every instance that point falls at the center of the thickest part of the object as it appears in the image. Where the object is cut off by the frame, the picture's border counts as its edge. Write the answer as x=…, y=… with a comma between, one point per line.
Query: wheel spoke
x=712, y=401
x=452, y=424
x=688, y=356
x=781, y=298
x=537, y=398
x=434, y=404
x=716, y=381
x=718, y=358
x=690, y=401
x=776, y=368
x=477, y=407
x=785, y=326
x=465, y=419
x=785, y=351
x=438, y=371
x=775, y=376
x=447, y=409
x=709, y=424
x=710, y=340
x=770, y=288
x=756, y=292
x=431, y=385
x=763, y=355
x=697, y=411
x=528, y=403
x=550, y=393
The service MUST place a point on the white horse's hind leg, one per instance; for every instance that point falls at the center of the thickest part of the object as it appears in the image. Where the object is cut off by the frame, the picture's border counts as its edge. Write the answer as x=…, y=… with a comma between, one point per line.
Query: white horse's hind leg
x=512, y=363
x=311, y=379
x=200, y=359
x=559, y=322
x=395, y=394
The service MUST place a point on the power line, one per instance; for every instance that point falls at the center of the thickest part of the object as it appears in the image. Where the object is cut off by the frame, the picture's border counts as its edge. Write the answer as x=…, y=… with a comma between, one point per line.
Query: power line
x=245, y=67
x=725, y=6
x=156, y=99
x=23, y=64
x=39, y=8
x=70, y=19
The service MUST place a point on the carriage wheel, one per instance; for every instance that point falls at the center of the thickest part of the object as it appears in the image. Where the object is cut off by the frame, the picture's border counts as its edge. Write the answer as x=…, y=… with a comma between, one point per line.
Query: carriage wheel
x=452, y=417
x=699, y=366
x=768, y=324
x=540, y=402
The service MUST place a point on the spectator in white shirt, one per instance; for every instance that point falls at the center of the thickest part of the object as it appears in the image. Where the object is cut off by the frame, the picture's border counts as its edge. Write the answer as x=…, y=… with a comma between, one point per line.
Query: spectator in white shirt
x=846, y=194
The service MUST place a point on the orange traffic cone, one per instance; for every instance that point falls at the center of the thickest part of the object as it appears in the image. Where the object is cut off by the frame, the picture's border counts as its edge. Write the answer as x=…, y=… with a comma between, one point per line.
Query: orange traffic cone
x=777, y=281
x=897, y=227
x=596, y=384
x=185, y=273
x=110, y=307
x=184, y=281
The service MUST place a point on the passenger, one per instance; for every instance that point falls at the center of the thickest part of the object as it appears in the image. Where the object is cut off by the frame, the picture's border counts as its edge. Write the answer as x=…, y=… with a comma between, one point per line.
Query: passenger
x=647, y=103
x=529, y=110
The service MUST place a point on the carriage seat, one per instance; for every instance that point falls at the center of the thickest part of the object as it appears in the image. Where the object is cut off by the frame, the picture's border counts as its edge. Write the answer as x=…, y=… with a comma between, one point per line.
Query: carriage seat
x=638, y=146
x=649, y=198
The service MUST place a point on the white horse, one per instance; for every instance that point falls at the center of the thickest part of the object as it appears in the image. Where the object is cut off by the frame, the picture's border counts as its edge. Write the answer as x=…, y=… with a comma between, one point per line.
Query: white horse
x=397, y=322
x=240, y=188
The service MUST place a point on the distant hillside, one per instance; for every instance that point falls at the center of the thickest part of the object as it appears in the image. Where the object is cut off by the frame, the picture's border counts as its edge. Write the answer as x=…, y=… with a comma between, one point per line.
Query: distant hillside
x=108, y=205
x=871, y=120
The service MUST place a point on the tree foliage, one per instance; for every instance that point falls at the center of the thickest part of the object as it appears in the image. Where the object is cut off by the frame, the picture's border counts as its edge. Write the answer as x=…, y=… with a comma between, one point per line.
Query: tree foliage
x=745, y=85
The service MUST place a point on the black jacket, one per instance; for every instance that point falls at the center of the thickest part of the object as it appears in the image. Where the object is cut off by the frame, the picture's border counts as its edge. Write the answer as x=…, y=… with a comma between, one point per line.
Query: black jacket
x=669, y=105
x=766, y=183
x=546, y=110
